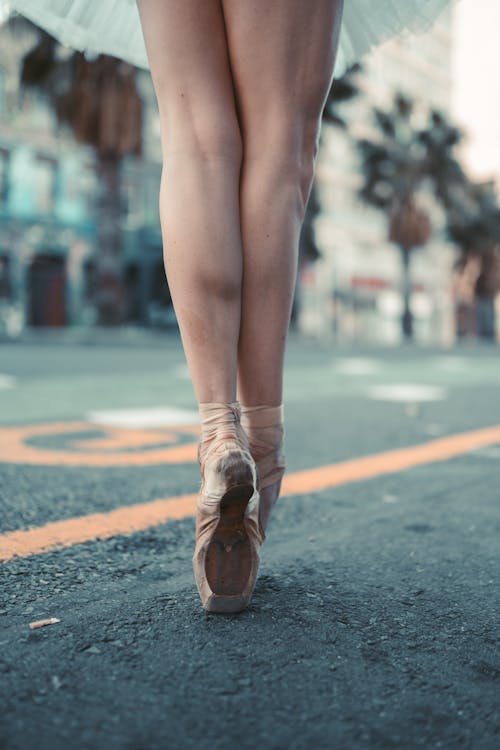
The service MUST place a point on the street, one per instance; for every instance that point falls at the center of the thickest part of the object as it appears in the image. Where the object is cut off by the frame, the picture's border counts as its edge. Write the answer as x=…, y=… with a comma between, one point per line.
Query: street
x=374, y=622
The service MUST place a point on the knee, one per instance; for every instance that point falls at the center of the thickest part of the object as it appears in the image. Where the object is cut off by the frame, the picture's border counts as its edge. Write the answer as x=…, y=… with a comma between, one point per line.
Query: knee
x=202, y=135
x=287, y=147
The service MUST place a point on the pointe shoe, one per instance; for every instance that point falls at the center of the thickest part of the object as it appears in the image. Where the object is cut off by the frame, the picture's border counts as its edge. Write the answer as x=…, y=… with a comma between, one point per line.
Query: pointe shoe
x=228, y=537
x=265, y=430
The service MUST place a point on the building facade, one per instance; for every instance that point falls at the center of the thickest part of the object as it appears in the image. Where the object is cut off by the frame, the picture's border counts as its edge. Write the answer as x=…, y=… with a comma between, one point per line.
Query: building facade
x=354, y=291
x=49, y=196
x=46, y=224
x=49, y=239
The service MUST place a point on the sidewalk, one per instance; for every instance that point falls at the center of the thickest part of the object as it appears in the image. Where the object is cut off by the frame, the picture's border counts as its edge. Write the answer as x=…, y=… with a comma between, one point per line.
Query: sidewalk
x=143, y=337
x=94, y=336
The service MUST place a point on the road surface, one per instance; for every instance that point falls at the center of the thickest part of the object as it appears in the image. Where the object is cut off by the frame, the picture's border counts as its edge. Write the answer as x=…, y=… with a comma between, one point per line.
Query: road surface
x=374, y=622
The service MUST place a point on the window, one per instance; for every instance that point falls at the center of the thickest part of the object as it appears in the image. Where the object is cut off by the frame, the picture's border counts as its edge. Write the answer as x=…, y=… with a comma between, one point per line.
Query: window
x=4, y=175
x=2, y=90
x=45, y=184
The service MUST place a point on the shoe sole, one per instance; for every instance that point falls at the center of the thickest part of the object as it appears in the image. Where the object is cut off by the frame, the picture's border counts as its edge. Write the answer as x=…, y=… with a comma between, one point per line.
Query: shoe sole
x=228, y=562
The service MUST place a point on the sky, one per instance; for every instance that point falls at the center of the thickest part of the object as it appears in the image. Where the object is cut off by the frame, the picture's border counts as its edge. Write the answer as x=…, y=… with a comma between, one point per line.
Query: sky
x=476, y=84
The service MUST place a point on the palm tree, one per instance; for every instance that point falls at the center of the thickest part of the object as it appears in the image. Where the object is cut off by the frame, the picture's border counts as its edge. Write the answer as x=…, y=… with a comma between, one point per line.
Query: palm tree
x=395, y=164
x=474, y=225
x=100, y=103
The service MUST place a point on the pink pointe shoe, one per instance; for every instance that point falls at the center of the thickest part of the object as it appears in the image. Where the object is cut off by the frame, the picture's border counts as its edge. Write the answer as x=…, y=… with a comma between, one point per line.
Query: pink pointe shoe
x=228, y=536
x=265, y=430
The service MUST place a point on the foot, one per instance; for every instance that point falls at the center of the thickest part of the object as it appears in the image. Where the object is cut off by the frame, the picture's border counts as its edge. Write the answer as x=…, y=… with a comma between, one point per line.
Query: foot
x=228, y=539
x=264, y=426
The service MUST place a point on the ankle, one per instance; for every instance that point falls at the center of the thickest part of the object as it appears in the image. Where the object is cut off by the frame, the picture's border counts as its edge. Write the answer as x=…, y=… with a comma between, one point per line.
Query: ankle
x=262, y=416
x=220, y=423
x=264, y=426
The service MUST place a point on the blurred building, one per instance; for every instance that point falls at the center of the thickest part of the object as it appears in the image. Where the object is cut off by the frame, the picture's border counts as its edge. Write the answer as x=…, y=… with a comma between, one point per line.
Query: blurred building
x=353, y=291
x=475, y=95
x=148, y=296
x=48, y=195
x=46, y=225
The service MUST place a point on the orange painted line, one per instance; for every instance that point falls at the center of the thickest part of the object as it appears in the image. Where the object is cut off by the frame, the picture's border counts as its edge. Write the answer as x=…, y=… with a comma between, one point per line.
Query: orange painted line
x=110, y=450
x=124, y=520
x=388, y=462
x=133, y=518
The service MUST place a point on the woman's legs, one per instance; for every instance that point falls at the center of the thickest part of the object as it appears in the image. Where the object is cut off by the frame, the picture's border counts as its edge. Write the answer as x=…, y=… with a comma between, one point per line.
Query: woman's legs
x=199, y=203
x=281, y=56
x=199, y=209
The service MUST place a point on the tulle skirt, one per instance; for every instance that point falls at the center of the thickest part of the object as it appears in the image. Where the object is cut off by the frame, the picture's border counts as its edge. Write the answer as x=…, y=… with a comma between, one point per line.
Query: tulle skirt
x=113, y=26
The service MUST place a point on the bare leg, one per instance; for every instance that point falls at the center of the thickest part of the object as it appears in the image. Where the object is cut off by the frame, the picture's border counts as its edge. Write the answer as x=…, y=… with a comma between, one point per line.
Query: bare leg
x=282, y=55
x=199, y=202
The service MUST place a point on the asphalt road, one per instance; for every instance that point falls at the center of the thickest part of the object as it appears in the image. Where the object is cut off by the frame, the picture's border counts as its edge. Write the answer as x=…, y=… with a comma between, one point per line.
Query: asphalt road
x=375, y=619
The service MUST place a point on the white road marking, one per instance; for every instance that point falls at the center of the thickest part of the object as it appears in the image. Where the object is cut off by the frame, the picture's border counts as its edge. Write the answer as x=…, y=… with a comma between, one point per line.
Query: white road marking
x=357, y=366
x=451, y=363
x=7, y=381
x=181, y=371
x=388, y=498
x=406, y=392
x=144, y=418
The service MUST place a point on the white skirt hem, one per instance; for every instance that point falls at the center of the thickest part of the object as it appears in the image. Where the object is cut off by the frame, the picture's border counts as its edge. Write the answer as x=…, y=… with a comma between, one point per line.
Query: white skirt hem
x=113, y=26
